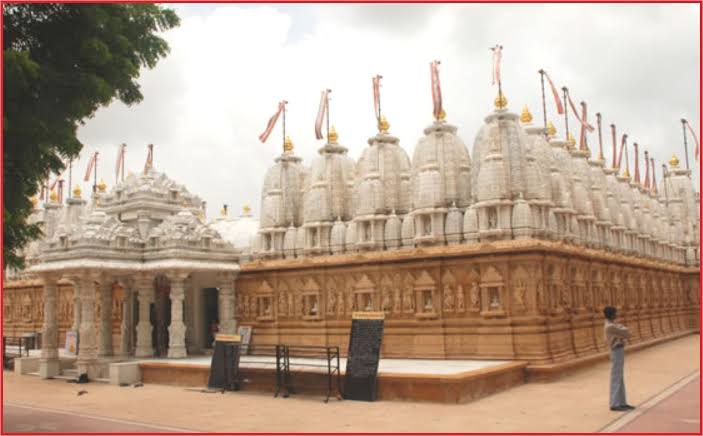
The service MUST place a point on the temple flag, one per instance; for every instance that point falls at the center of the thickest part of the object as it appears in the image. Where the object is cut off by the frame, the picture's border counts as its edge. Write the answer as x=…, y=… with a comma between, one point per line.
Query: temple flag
x=120, y=160
x=91, y=164
x=377, y=96
x=322, y=112
x=272, y=121
x=149, y=158
x=436, y=89
x=622, y=147
x=696, y=151
x=555, y=93
x=583, y=121
x=497, y=56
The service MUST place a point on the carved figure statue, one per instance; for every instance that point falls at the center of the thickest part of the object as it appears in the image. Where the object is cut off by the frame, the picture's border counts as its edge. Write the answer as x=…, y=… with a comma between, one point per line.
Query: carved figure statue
x=448, y=299
x=460, y=303
x=474, y=296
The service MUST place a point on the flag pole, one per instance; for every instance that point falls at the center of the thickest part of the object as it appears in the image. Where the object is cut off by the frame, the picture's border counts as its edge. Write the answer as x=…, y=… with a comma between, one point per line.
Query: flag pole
x=544, y=102
x=685, y=142
x=328, y=115
x=124, y=150
x=70, y=174
x=284, y=127
x=566, y=113
x=600, y=138
x=95, y=174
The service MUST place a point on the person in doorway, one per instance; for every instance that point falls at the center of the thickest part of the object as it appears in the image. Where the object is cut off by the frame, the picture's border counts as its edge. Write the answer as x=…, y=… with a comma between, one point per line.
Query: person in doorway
x=615, y=336
x=214, y=328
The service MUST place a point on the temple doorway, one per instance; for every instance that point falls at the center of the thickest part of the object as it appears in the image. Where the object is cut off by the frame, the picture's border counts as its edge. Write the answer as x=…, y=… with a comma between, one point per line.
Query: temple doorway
x=211, y=317
x=161, y=318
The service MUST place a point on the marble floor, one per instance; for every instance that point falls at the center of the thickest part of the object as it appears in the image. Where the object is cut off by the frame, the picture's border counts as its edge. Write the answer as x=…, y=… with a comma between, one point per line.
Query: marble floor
x=388, y=366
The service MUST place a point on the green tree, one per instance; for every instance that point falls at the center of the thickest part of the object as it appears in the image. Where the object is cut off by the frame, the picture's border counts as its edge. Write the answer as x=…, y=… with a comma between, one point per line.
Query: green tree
x=61, y=63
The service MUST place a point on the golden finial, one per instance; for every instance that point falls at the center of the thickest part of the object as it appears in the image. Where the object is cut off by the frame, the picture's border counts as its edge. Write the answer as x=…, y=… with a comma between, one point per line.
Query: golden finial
x=674, y=161
x=383, y=125
x=332, y=137
x=223, y=211
x=246, y=209
x=102, y=186
x=130, y=174
x=500, y=102
x=287, y=144
x=570, y=140
x=77, y=192
x=525, y=116
x=551, y=130
x=442, y=115
x=34, y=200
x=54, y=196
x=201, y=216
x=626, y=173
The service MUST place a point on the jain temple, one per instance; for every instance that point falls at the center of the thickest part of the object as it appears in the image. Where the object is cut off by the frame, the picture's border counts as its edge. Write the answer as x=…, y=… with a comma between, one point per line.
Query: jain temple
x=507, y=251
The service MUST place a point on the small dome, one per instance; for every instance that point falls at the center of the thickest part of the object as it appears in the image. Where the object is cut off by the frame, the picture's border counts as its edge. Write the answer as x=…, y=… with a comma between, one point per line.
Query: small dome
x=440, y=169
x=470, y=224
x=289, y=242
x=521, y=219
x=408, y=230
x=350, y=236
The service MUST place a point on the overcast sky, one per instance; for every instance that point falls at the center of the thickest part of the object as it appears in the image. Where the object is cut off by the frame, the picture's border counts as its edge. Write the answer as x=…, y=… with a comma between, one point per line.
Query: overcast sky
x=206, y=103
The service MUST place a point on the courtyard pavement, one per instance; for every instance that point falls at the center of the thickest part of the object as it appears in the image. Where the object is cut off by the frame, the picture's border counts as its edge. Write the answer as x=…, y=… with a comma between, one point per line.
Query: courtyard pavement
x=663, y=381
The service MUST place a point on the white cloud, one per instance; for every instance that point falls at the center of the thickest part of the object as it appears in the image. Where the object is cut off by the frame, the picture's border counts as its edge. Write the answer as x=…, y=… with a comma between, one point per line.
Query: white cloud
x=207, y=102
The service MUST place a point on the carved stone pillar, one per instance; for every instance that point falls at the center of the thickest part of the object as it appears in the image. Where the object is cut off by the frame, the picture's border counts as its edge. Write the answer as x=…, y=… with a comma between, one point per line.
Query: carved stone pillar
x=145, y=294
x=177, y=329
x=76, y=304
x=228, y=324
x=105, y=343
x=49, y=362
x=126, y=327
x=87, y=346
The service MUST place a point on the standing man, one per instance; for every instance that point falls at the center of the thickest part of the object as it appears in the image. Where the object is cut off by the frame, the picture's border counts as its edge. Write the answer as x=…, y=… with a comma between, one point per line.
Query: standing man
x=615, y=336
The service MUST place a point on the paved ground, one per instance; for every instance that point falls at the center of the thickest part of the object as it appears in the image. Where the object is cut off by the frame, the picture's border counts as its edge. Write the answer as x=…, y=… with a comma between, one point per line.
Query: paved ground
x=577, y=403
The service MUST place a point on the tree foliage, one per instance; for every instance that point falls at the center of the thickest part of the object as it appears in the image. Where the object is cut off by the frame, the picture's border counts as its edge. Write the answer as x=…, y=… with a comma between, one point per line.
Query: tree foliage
x=61, y=63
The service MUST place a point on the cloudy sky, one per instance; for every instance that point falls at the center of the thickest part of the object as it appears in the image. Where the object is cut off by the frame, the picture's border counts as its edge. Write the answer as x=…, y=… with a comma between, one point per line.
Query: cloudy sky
x=206, y=103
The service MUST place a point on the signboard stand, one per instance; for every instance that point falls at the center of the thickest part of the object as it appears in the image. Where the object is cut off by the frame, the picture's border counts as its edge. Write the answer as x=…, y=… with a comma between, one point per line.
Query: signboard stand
x=224, y=367
x=364, y=355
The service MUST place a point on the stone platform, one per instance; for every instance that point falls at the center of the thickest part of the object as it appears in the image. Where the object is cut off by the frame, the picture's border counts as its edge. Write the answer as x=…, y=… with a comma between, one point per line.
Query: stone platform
x=440, y=381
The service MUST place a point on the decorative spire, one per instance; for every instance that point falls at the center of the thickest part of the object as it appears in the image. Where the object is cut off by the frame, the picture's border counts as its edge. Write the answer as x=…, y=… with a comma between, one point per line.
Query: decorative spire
x=674, y=161
x=287, y=145
x=383, y=125
x=332, y=137
x=571, y=141
x=625, y=173
x=551, y=130
x=102, y=186
x=525, y=116
x=246, y=210
x=223, y=211
x=77, y=192
x=54, y=197
x=616, y=164
x=500, y=102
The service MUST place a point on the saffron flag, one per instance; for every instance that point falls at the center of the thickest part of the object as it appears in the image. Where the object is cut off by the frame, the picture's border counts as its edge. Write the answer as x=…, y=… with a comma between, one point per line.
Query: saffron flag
x=377, y=96
x=436, y=89
x=696, y=151
x=322, y=111
x=91, y=164
x=272, y=121
x=497, y=56
x=622, y=147
x=555, y=93
x=120, y=160
x=149, y=158
x=576, y=114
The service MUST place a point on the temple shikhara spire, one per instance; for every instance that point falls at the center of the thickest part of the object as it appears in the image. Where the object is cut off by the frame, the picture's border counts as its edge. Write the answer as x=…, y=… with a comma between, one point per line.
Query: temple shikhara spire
x=518, y=230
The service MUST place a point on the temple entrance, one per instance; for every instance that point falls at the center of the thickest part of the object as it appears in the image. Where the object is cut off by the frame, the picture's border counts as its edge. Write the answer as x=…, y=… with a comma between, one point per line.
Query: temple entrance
x=211, y=310
x=161, y=318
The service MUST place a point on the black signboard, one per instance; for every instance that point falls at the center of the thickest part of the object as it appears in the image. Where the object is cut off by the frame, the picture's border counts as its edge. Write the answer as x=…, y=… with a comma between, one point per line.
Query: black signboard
x=224, y=367
x=364, y=354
